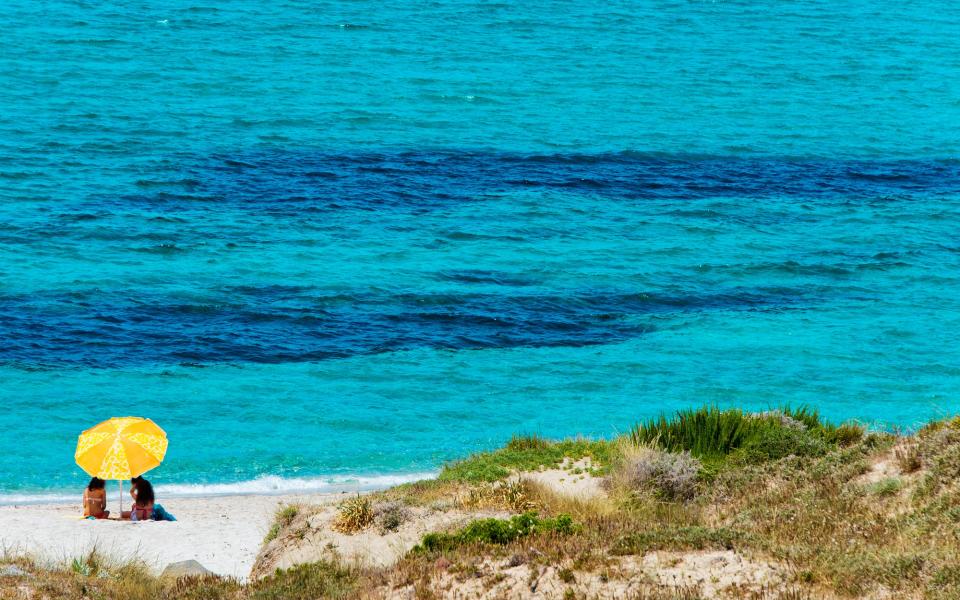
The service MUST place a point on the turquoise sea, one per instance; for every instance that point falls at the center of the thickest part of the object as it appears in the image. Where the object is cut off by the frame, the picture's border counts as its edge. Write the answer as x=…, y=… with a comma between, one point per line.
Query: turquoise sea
x=334, y=244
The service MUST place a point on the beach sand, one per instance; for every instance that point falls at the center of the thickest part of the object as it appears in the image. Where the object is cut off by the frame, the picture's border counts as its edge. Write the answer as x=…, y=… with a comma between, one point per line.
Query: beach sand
x=222, y=533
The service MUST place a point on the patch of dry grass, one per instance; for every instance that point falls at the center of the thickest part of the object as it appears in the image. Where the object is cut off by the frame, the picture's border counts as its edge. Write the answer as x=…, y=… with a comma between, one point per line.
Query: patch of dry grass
x=91, y=576
x=354, y=514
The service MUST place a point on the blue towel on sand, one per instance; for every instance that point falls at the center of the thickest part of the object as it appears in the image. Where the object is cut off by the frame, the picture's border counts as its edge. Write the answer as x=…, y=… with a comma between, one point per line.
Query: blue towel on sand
x=160, y=514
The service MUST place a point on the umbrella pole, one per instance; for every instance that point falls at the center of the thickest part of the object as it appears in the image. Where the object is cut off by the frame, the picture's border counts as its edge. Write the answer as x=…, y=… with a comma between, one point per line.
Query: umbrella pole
x=120, y=483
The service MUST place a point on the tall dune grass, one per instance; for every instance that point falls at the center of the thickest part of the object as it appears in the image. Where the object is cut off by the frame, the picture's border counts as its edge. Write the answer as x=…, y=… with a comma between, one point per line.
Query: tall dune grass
x=711, y=433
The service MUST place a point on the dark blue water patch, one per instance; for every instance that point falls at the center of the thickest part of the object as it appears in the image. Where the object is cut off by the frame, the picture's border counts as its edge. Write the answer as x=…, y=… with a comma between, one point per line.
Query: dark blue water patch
x=288, y=324
x=480, y=276
x=301, y=182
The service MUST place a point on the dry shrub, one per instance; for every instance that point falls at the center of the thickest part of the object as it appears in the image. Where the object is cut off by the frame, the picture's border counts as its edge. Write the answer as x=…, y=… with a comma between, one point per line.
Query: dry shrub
x=908, y=458
x=389, y=516
x=513, y=495
x=669, y=475
x=353, y=515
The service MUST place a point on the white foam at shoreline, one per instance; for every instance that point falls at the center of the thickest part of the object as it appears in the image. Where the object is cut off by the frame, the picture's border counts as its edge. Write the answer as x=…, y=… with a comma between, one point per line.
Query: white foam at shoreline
x=266, y=485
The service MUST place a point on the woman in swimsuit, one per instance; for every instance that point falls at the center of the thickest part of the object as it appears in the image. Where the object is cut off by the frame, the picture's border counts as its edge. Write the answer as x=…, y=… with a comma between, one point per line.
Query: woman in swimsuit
x=95, y=500
x=142, y=509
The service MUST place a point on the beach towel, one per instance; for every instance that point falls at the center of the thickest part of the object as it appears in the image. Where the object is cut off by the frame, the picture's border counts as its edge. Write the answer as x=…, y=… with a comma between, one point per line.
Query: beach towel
x=160, y=514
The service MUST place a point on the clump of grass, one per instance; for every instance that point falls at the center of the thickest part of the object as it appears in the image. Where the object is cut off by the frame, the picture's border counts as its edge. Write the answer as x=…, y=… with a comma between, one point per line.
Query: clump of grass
x=712, y=434
x=512, y=495
x=322, y=579
x=91, y=565
x=668, y=475
x=389, y=516
x=525, y=453
x=843, y=435
x=203, y=587
x=887, y=487
x=908, y=458
x=566, y=575
x=497, y=531
x=525, y=443
x=283, y=518
x=354, y=514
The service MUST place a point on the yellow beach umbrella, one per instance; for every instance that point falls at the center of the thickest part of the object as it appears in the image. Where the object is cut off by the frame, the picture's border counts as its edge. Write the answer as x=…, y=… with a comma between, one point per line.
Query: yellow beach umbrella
x=121, y=448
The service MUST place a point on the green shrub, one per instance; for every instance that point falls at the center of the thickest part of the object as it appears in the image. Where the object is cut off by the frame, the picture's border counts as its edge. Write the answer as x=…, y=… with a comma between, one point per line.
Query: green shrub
x=773, y=443
x=845, y=435
x=496, y=531
x=283, y=517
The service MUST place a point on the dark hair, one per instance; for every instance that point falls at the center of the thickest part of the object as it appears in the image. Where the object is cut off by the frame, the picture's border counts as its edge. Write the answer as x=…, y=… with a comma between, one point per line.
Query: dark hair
x=144, y=492
x=96, y=484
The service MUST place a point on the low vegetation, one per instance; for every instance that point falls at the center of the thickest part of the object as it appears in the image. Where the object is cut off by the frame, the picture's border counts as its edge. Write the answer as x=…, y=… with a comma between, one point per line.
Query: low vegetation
x=526, y=453
x=827, y=511
x=285, y=515
x=496, y=531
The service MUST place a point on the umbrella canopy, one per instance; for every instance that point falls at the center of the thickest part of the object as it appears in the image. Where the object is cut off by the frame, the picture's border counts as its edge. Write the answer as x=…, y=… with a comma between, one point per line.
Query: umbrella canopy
x=121, y=448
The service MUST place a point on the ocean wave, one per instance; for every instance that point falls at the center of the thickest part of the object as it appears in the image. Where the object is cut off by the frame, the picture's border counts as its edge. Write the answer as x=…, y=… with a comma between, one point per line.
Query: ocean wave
x=264, y=485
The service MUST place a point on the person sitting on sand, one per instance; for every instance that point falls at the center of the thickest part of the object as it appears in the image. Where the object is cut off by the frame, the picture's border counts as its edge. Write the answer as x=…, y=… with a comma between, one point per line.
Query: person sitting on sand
x=144, y=506
x=95, y=500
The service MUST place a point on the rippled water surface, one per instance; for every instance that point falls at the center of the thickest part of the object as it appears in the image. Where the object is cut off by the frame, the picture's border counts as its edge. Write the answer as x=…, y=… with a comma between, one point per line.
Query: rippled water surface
x=325, y=242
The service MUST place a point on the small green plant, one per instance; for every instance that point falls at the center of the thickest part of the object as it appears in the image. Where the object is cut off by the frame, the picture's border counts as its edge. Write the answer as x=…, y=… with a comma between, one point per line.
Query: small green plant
x=90, y=565
x=887, y=487
x=283, y=518
x=287, y=514
x=354, y=514
x=497, y=531
x=272, y=533
x=566, y=575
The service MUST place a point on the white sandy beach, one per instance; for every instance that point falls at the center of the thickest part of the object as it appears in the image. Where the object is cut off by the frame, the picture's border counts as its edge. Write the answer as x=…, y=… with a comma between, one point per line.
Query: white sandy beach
x=223, y=533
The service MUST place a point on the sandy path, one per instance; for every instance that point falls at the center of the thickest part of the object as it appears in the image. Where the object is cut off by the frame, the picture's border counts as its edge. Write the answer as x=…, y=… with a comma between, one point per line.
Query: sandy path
x=222, y=533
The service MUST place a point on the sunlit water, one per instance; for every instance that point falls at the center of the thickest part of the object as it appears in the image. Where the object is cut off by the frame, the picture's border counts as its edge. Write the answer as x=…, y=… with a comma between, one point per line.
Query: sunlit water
x=333, y=245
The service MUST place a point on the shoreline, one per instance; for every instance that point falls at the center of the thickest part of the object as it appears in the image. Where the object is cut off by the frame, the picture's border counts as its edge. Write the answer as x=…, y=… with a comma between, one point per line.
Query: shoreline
x=266, y=485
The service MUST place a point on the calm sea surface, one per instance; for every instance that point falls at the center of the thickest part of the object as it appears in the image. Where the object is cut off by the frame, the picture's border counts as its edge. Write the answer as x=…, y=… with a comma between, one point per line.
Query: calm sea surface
x=333, y=244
